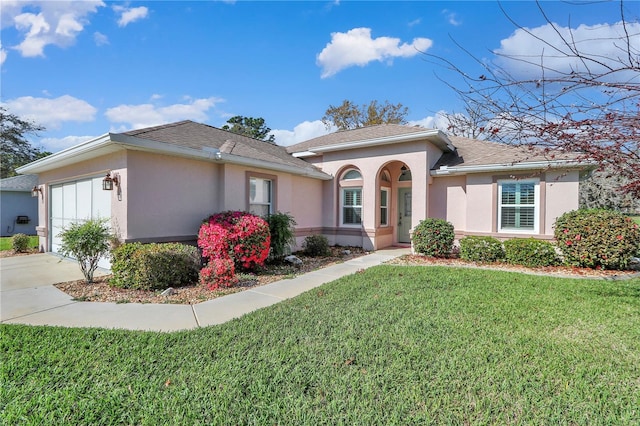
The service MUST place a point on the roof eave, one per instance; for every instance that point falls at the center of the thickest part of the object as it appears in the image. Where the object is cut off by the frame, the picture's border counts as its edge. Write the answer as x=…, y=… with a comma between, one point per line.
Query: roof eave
x=487, y=168
x=437, y=137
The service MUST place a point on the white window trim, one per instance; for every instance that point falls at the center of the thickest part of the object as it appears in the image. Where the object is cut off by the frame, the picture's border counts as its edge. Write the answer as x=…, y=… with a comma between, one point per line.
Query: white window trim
x=342, y=206
x=270, y=203
x=536, y=207
x=383, y=189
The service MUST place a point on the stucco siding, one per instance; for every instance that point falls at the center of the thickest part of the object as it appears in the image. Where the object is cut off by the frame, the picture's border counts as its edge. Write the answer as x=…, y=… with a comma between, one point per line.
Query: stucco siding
x=168, y=196
x=448, y=200
x=480, y=202
x=561, y=196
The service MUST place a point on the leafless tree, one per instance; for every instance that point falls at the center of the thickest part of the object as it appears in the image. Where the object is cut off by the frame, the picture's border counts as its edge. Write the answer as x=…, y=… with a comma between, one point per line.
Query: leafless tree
x=572, y=98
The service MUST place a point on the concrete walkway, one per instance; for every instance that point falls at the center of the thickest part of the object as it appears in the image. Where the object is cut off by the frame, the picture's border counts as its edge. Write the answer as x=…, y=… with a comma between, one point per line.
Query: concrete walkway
x=27, y=296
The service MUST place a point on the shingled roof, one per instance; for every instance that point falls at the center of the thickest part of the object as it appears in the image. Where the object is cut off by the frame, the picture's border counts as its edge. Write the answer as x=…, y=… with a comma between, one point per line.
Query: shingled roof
x=359, y=134
x=467, y=152
x=20, y=183
x=194, y=135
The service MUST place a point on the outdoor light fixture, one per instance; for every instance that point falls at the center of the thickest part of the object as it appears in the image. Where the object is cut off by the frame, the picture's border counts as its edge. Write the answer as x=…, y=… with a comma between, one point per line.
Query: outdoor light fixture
x=36, y=191
x=108, y=182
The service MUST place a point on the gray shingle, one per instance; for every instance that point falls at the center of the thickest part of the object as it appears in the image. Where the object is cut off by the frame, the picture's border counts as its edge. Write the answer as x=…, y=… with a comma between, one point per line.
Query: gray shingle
x=22, y=183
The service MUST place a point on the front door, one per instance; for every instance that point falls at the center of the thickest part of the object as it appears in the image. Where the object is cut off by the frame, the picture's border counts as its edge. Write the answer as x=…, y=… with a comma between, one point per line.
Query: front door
x=404, y=215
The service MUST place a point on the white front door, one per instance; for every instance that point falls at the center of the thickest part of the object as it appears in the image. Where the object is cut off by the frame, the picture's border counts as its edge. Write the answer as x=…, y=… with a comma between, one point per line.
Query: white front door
x=404, y=215
x=77, y=201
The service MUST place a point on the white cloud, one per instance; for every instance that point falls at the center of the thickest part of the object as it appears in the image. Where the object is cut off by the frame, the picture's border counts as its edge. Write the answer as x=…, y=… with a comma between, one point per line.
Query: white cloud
x=47, y=22
x=100, y=39
x=54, y=145
x=146, y=115
x=603, y=42
x=356, y=47
x=438, y=121
x=452, y=18
x=51, y=113
x=3, y=54
x=302, y=132
x=414, y=22
x=129, y=15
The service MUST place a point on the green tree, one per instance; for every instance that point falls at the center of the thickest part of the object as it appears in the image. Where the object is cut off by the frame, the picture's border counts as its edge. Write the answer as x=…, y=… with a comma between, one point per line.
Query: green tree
x=251, y=127
x=351, y=116
x=15, y=149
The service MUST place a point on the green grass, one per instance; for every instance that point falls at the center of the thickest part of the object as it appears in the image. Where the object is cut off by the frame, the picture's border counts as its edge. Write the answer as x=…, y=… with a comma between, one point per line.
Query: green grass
x=391, y=345
x=636, y=219
x=5, y=242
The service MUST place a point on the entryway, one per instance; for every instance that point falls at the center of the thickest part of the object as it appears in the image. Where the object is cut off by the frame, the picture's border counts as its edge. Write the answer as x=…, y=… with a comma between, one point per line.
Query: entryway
x=404, y=215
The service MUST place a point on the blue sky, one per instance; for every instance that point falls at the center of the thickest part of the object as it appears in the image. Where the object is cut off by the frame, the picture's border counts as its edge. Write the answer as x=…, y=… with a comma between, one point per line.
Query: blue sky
x=84, y=68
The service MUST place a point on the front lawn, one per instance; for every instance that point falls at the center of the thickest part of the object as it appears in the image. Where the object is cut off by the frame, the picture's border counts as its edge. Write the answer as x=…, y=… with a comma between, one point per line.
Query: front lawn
x=5, y=242
x=390, y=345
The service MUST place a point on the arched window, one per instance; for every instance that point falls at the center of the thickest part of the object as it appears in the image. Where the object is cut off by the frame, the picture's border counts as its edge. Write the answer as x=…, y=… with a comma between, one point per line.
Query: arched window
x=351, y=198
x=405, y=175
x=352, y=174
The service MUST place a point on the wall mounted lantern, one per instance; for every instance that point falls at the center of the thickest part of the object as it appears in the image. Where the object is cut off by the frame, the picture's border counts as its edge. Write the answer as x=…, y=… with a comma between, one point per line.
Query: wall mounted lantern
x=108, y=182
x=36, y=191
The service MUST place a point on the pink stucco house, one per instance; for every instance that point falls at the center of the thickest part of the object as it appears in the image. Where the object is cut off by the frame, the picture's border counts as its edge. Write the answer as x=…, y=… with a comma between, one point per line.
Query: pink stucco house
x=366, y=187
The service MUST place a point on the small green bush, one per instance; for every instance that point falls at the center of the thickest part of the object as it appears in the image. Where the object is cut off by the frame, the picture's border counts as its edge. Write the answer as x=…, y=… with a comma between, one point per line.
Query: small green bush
x=316, y=246
x=596, y=238
x=88, y=242
x=530, y=252
x=283, y=233
x=154, y=266
x=20, y=243
x=433, y=237
x=481, y=249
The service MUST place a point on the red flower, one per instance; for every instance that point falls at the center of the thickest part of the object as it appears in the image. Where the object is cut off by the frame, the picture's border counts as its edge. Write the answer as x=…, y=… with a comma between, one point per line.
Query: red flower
x=578, y=237
x=620, y=237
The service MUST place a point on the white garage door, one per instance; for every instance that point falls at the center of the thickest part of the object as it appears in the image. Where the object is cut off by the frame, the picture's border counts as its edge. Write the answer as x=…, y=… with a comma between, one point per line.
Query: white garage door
x=77, y=201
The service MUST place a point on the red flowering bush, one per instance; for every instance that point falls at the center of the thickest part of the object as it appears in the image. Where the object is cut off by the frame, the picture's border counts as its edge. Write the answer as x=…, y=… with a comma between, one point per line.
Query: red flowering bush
x=597, y=238
x=219, y=272
x=237, y=237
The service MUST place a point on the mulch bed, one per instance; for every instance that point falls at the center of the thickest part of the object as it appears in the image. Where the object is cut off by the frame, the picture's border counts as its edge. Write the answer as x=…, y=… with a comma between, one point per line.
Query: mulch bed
x=559, y=271
x=100, y=291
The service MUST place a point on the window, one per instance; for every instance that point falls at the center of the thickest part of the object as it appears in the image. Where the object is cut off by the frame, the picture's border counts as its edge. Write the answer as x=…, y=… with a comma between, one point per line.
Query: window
x=260, y=196
x=351, y=206
x=384, y=207
x=352, y=175
x=518, y=206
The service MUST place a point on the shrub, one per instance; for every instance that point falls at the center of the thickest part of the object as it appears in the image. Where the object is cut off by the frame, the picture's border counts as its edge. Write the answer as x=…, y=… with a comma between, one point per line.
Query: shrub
x=281, y=227
x=433, y=237
x=20, y=243
x=316, y=246
x=87, y=241
x=596, y=238
x=530, y=252
x=241, y=236
x=481, y=249
x=154, y=266
x=219, y=272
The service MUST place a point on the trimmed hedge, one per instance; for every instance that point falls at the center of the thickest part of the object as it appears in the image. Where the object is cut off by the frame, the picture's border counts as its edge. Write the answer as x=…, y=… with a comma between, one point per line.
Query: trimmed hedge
x=433, y=237
x=530, y=252
x=154, y=266
x=481, y=249
x=595, y=238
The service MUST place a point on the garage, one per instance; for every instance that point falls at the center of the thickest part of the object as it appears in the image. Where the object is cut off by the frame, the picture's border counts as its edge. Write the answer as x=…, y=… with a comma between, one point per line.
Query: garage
x=77, y=201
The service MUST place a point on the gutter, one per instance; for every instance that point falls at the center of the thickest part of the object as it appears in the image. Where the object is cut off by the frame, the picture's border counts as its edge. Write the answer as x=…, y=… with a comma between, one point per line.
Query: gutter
x=486, y=168
x=441, y=137
x=82, y=148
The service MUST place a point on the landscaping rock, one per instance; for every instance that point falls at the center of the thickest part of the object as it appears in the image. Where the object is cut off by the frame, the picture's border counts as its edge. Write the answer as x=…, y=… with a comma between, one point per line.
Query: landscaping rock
x=294, y=260
x=634, y=264
x=346, y=252
x=168, y=292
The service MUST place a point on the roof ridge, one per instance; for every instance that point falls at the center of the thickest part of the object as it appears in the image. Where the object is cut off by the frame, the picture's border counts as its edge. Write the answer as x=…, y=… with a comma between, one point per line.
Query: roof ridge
x=143, y=130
